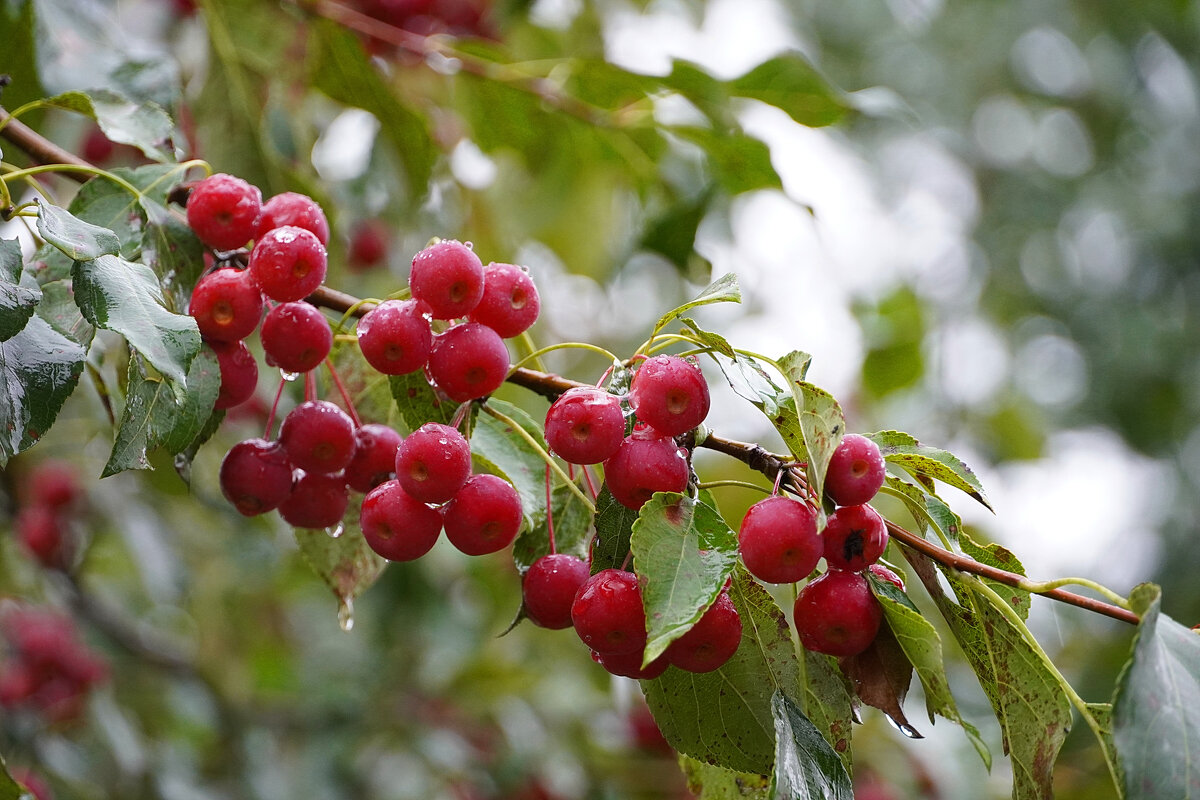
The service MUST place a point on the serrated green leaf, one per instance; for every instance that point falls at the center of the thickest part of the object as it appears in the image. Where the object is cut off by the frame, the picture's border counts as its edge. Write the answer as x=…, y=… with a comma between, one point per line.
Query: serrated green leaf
x=77, y=239
x=682, y=551
x=790, y=83
x=714, y=340
x=927, y=509
x=58, y=307
x=1156, y=709
x=39, y=368
x=172, y=250
x=614, y=525
x=418, y=403
x=923, y=647
x=111, y=206
x=17, y=300
x=740, y=163
x=931, y=462
x=125, y=297
x=724, y=289
x=346, y=564
x=504, y=452
x=184, y=459
x=1030, y=705
x=827, y=701
x=806, y=767
x=145, y=126
x=821, y=418
x=708, y=782
x=750, y=380
x=572, y=524
x=724, y=717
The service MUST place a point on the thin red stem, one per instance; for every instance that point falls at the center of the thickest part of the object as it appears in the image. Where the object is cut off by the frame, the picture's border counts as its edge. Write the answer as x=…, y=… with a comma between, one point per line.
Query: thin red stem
x=550, y=514
x=337, y=381
x=587, y=476
x=274, y=406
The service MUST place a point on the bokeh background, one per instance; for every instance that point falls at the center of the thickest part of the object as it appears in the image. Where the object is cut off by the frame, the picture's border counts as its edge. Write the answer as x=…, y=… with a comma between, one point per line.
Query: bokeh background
x=993, y=246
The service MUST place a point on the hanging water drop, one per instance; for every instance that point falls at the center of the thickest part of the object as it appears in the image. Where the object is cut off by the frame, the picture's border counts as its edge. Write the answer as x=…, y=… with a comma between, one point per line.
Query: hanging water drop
x=336, y=531
x=288, y=376
x=904, y=728
x=346, y=614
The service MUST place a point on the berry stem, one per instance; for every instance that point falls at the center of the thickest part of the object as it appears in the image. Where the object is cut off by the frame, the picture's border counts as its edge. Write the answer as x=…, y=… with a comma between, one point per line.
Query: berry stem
x=541, y=451
x=310, y=386
x=537, y=354
x=587, y=476
x=549, y=514
x=742, y=484
x=353, y=311
x=337, y=381
x=274, y=406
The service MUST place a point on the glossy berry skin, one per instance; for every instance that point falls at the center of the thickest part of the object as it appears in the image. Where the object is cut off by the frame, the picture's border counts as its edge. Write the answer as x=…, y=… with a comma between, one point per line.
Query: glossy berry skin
x=256, y=476
x=836, y=614
x=484, y=516
x=856, y=471
x=884, y=574
x=447, y=276
x=227, y=305
x=629, y=665
x=318, y=437
x=42, y=532
x=711, y=641
x=395, y=338
x=585, y=425
x=433, y=462
x=288, y=263
x=397, y=526
x=296, y=337
x=239, y=373
x=374, y=459
x=549, y=588
x=669, y=394
x=608, y=613
x=641, y=467
x=292, y=208
x=510, y=302
x=223, y=211
x=468, y=361
x=778, y=540
x=316, y=500
x=855, y=538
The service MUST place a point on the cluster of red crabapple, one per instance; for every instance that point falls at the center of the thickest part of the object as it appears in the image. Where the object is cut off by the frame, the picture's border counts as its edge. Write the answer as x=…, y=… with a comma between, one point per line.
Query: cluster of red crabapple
x=47, y=669
x=49, y=501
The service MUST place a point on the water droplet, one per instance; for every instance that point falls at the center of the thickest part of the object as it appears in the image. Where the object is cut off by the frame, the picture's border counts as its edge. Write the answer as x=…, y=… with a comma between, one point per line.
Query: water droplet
x=346, y=614
x=336, y=531
x=905, y=729
x=288, y=376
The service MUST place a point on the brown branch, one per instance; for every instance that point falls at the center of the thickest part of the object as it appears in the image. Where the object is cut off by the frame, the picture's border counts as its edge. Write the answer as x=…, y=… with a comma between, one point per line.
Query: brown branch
x=39, y=148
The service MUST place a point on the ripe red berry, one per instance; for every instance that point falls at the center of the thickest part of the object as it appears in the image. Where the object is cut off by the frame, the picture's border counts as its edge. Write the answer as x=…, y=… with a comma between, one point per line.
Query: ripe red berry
x=318, y=437
x=641, y=467
x=52, y=483
x=316, y=500
x=856, y=471
x=256, y=476
x=448, y=276
x=779, y=541
x=433, y=463
x=296, y=337
x=41, y=531
x=227, y=305
x=374, y=458
x=239, y=373
x=712, y=641
x=608, y=613
x=288, y=263
x=468, y=361
x=836, y=614
x=855, y=538
x=484, y=516
x=397, y=526
x=291, y=208
x=549, y=587
x=629, y=665
x=585, y=425
x=223, y=211
x=885, y=574
x=395, y=338
x=669, y=394
x=368, y=245
x=510, y=302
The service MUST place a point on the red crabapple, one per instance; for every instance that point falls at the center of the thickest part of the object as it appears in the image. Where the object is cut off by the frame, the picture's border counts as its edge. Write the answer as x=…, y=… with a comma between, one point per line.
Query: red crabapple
x=223, y=211
x=448, y=276
x=296, y=337
x=239, y=373
x=549, y=587
x=318, y=437
x=52, y=483
x=433, y=462
x=291, y=208
x=468, y=361
x=779, y=541
x=629, y=665
x=836, y=614
x=42, y=531
x=368, y=245
x=256, y=476
x=855, y=537
x=374, y=458
x=669, y=394
x=288, y=263
x=856, y=471
x=608, y=613
x=484, y=516
x=712, y=641
x=316, y=500
x=395, y=338
x=641, y=467
x=585, y=425
x=510, y=302
x=397, y=526
x=227, y=305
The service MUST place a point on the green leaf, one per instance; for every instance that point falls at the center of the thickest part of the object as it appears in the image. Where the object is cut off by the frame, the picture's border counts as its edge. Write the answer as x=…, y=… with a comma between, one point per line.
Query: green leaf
x=346, y=564
x=9, y=788
x=672, y=234
x=125, y=297
x=806, y=767
x=1033, y=712
x=184, y=459
x=172, y=250
x=789, y=82
x=714, y=340
x=614, y=525
x=1156, y=709
x=146, y=126
x=821, y=418
x=750, y=380
x=341, y=69
x=58, y=307
x=17, y=300
x=418, y=403
x=682, y=551
x=724, y=717
x=504, y=452
x=39, y=368
x=827, y=701
x=927, y=509
x=572, y=524
x=77, y=239
x=923, y=647
x=739, y=162
x=152, y=418
x=724, y=289
x=18, y=56
x=708, y=782
x=921, y=460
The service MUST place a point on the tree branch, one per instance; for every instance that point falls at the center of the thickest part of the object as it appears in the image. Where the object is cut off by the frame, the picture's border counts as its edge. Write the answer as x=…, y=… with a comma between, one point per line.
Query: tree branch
x=39, y=148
